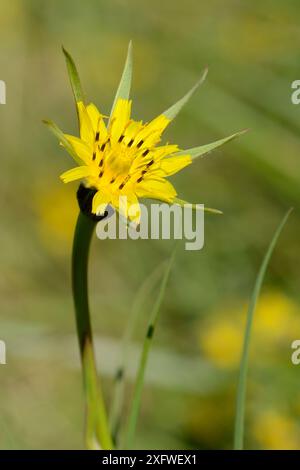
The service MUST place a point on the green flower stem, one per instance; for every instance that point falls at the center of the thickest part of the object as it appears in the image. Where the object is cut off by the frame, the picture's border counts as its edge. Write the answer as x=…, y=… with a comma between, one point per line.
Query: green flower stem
x=97, y=430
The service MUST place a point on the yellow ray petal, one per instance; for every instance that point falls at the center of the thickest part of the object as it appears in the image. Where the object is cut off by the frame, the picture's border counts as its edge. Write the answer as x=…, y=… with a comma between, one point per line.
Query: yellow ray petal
x=171, y=165
x=164, y=151
x=97, y=122
x=94, y=115
x=120, y=118
x=75, y=174
x=151, y=132
x=158, y=188
x=128, y=206
x=131, y=132
x=154, y=156
x=86, y=128
x=82, y=149
x=100, y=201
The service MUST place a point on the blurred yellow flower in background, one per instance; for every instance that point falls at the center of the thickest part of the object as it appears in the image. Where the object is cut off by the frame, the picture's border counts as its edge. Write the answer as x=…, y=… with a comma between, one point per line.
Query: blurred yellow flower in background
x=276, y=324
x=57, y=210
x=206, y=421
x=277, y=318
x=275, y=430
x=222, y=343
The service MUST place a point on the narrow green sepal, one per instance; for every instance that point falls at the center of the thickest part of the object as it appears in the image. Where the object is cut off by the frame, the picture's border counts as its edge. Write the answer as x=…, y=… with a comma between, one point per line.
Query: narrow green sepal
x=63, y=140
x=196, y=152
x=181, y=202
x=123, y=90
x=74, y=77
x=172, y=112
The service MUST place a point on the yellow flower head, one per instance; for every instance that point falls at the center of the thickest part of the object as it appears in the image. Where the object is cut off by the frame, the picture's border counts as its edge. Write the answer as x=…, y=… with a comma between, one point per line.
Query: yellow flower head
x=122, y=160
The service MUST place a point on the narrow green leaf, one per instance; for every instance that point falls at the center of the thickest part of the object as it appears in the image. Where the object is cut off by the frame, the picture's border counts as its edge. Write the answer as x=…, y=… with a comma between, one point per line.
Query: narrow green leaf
x=74, y=77
x=181, y=203
x=242, y=381
x=203, y=149
x=172, y=112
x=138, y=388
x=123, y=90
x=63, y=141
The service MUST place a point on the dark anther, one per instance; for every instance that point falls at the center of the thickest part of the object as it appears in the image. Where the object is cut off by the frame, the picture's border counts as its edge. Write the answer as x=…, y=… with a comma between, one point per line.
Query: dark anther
x=85, y=198
x=97, y=136
x=121, y=138
x=145, y=153
x=144, y=171
x=150, y=331
x=101, y=162
x=130, y=143
x=94, y=156
x=121, y=185
x=112, y=180
x=100, y=174
x=140, y=179
x=102, y=147
x=140, y=144
x=150, y=163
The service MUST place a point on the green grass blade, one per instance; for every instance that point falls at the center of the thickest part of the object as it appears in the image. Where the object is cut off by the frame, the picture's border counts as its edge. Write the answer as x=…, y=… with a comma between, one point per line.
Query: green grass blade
x=123, y=90
x=137, y=393
x=136, y=311
x=242, y=381
x=74, y=77
x=172, y=112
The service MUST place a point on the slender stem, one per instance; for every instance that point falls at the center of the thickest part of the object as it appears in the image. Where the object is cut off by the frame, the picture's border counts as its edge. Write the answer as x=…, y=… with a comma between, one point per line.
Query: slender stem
x=97, y=430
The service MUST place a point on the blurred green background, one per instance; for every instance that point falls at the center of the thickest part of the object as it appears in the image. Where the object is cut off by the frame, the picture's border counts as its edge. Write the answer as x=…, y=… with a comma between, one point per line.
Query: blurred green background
x=252, y=52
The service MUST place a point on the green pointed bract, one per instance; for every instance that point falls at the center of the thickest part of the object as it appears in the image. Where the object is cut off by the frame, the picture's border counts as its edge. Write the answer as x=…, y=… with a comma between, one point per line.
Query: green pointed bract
x=203, y=149
x=63, y=141
x=172, y=112
x=74, y=77
x=181, y=202
x=123, y=90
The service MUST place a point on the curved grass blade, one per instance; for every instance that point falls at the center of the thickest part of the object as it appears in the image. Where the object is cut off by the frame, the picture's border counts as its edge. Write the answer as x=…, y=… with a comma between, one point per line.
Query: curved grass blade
x=242, y=381
x=123, y=90
x=137, y=308
x=74, y=77
x=137, y=393
x=172, y=112
x=203, y=149
x=63, y=141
